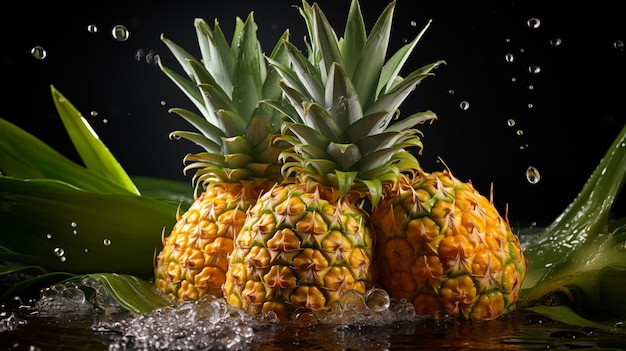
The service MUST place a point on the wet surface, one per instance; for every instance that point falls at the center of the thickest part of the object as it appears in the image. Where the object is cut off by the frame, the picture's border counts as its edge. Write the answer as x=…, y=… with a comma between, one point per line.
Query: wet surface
x=207, y=326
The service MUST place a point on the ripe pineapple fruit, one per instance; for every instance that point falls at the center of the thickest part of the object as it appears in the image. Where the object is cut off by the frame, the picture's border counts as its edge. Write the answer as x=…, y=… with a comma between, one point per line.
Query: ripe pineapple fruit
x=309, y=239
x=238, y=162
x=444, y=247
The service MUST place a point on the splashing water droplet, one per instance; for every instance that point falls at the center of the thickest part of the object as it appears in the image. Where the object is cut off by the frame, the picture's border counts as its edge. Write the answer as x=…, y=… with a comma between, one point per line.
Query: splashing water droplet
x=377, y=299
x=531, y=87
x=107, y=242
x=530, y=106
x=93, y=113
x=532, y=175
x=451, y=91
x=556, y=42
x=352, y=301
x=510, y=122
x=618, y=44
x=519, y=132
x=48, y=236
x=73, y=225
x=120, y=33
x=304, y=318
x=140, y=54
x=533, y=23
x=534, y=69
x=63, y=258
x=58, y=251
x=92, y=28
x=413, y=23
x=105, y=121
x=464, y=105
x=39, y=53
x=509, y=57
x=163, y=103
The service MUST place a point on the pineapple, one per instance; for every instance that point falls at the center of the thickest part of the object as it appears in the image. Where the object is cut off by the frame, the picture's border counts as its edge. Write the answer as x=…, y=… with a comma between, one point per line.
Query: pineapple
x=309, y=239
x=444, y=247
x=238, y=162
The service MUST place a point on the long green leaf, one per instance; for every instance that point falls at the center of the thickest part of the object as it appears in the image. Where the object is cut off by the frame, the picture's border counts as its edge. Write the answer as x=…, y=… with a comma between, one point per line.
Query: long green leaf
x=62, y=228
x=94, y=153
x=133, y=293
x=579, y=251
x=23, y=155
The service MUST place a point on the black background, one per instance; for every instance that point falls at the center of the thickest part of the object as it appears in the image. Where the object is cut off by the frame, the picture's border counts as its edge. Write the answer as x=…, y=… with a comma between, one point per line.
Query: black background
x=569, y=113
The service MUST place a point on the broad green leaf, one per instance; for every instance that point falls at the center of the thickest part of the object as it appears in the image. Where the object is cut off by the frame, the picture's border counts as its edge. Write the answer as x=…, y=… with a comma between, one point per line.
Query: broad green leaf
x=354, y=38
x=94, y=153
x=24, y=156
x=165, y=189
x=566, y=315
x=135, y=294
x=62, y=228
x=581, y=251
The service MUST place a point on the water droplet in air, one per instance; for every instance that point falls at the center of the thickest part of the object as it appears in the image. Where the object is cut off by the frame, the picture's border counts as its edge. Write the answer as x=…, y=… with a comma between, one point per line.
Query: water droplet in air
x=120, y=33
x=63, y=258
x=519, y=132
x=39, y=52
x=106, y=242
x=93, y=113
x=531, y=87
x=509, y=58
x=451, y=91
x=105, y=121
x=163, y=103
x=377, y=299
x=73, y=225
x=413, y=23
x=510, y=122
x=532, y=175
x=533, y=23
x=530, y=105
x=92, y=28
x=534, y=69
x=619, y=324
x=555, y=42
x=58, y=251
x=618, y=44
x=140, y=54
x=464, y=105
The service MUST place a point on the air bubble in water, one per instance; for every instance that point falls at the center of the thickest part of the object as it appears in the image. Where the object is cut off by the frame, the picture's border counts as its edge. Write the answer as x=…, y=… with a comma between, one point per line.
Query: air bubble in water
x=464, y=105
x=377, y=299
x=533, y=23
x=39, y=52
x=352, y=300
x=92, y=28
x=120, y=33
x=106, y=242
x=532, y=175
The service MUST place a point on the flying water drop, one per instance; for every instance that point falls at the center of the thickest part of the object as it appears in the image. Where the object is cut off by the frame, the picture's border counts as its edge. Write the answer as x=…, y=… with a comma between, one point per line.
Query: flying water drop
x=532, y=175
x=120, y=33
x=39, y=53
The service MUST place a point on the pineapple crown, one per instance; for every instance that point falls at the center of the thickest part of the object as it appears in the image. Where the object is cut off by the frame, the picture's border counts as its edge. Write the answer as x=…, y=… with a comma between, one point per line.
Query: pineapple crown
x=226, y=86
x=344, y=96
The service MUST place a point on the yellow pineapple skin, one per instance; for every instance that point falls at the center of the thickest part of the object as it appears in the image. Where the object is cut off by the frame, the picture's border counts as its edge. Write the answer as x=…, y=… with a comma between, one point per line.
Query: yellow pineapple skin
x=443, y=246
x=193, y=261
x=300, y=249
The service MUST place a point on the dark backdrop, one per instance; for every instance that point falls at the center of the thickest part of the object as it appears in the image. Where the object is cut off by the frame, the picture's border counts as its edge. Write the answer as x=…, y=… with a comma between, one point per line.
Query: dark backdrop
x=564, y=87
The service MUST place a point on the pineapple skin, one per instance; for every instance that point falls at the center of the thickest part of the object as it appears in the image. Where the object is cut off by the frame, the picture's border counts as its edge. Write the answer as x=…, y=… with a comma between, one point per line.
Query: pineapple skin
x=193, y=261
x=300, y=249
x=444, y=247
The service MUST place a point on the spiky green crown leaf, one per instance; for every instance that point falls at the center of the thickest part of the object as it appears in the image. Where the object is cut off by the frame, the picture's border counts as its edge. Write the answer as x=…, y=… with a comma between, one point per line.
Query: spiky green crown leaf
x=346, y=96
x=227, y=86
